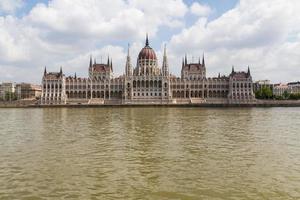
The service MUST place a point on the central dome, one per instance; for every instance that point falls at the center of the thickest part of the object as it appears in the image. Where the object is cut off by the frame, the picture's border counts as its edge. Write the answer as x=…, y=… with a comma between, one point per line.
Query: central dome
x=147, y=52
x=147, y=62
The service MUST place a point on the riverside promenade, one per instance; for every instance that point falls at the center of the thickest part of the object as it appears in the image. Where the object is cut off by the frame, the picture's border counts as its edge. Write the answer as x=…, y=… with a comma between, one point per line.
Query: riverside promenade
x=256, y=103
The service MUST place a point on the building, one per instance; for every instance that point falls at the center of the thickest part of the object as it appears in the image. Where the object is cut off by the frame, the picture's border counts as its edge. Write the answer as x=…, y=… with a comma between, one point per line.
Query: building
x=294, y=87
x=279, y=89
x=28, y=91
x=146, y=83
x=290, y=88
x=258, y=85
x=7, y=91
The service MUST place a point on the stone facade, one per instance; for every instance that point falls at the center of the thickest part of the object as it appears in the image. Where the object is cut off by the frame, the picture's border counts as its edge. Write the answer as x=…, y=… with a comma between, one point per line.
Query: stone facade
x=147, y=83
x=291, y=88
x=7, y=89
x=28, y=91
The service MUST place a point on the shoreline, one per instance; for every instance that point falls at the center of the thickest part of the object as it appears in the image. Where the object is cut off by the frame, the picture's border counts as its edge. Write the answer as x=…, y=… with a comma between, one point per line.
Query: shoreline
x=208, y=105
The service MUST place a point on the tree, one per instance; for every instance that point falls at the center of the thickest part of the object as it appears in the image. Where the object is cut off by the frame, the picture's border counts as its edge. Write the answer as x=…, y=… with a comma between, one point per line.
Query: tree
x=10, y=96
x=286, y=95
x=294, y=96
x=264, y=93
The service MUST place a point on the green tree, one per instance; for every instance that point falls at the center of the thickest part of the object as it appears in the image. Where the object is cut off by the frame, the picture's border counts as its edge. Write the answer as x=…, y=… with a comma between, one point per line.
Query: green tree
x=10, y=96
x=286, y=95
x=294, y=96
x=264, y=93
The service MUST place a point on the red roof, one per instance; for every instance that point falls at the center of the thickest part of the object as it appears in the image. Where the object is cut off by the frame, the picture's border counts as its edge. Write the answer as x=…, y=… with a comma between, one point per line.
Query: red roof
x=101, y=68
x=240, y=75
x=147, y=53
x=193, y=67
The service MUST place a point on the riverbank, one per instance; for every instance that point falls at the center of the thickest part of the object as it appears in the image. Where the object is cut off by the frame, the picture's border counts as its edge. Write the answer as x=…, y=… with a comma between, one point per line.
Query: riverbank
x=257, y=103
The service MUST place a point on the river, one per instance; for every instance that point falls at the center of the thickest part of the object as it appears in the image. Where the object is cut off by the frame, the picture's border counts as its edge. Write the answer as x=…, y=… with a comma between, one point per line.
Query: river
x=150, y=153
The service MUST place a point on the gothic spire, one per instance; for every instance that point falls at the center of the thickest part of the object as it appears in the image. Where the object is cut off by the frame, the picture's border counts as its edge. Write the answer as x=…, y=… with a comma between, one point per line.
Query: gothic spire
x=45, y=71
x=232, y=71
x=128, y=67
x=248, y=70
x=165, y=66
x=203, y=62
x=147, y=40
x=108, y=63
x=95, y=61
x=111, y=66
x=60, y=70
x=91, y=62
x=185, y=60
x=75, y=76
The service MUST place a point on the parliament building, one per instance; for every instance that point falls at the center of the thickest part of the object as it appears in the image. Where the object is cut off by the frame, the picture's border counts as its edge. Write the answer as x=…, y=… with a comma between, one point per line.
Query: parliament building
x=146, y=83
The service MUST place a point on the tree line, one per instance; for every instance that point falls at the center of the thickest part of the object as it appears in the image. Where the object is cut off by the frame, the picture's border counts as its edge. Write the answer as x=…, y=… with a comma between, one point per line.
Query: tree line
x=267, y=93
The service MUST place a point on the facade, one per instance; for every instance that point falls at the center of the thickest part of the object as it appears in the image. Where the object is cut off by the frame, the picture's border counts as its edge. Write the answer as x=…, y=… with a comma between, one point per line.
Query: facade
x=258, y=85
x=291, y=88
x=7, y=90
x=294, y=87
x=28, y=91
x=146, y=83
x=279, y=89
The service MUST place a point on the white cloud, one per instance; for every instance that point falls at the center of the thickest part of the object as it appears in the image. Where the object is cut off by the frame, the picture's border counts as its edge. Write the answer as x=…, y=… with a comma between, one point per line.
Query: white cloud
x=106, y=20
x=200, y=10
x=262, y=34
x=10, y=6
x=63, y=32
x=254, y=33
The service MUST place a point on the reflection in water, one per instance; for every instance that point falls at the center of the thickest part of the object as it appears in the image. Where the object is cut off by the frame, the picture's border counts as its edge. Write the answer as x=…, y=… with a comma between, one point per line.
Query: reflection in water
x=150, y=153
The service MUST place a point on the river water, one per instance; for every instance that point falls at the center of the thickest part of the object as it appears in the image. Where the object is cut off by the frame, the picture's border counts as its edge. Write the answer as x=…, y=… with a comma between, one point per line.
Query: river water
x=150, y=153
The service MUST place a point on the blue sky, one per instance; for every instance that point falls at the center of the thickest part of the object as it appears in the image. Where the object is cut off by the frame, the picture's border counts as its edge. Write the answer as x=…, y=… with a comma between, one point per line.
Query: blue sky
x=260, y=33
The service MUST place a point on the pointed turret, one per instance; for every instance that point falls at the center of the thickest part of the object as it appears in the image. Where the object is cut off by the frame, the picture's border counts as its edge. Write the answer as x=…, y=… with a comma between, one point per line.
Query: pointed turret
x=60, y=71
x=165, y=66
x=232, y=71
x=91, y=61
x=185, y=60
x=248, y=70
x=75, y=76
x=219, y=75
x=108, y=63
x=147, y=40
x=128, y=67
x=95, y=61
x=203, y=61
x=199, y=60
x=45, y=71
x=111, y=66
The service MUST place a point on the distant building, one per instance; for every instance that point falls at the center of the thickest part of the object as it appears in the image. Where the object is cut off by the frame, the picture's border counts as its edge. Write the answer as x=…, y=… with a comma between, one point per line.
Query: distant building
x=28, y=91
x=294, y=87
x=279, y=89
x=147, y=83
x=262, y=83
x=7, y=90
x=291, y=88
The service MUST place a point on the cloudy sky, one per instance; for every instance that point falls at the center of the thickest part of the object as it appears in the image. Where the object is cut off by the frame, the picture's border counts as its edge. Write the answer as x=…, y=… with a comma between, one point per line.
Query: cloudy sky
x=263, y=34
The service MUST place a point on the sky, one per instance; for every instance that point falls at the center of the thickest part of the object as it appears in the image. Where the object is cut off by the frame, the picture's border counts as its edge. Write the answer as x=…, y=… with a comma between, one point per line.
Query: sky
x=261, y=34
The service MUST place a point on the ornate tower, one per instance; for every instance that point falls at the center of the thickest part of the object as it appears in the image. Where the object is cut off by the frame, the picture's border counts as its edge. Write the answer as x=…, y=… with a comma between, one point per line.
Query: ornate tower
x=128, y=66
x=165, y=66
x=147, y=62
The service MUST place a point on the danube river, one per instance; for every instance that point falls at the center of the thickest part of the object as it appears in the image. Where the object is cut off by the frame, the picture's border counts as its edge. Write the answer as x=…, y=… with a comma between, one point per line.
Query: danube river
x=150, y=153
